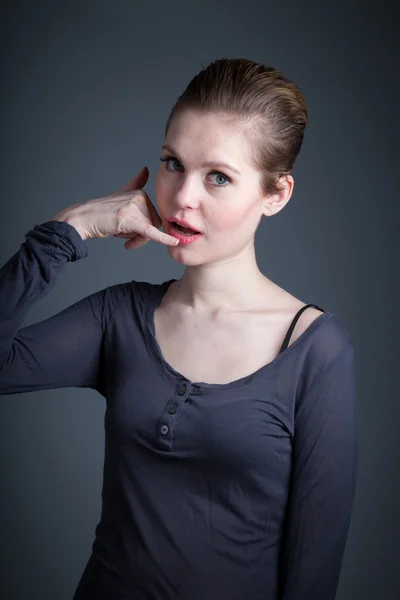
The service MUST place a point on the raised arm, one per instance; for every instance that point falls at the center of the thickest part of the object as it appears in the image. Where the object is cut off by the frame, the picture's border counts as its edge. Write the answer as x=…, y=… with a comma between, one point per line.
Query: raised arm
x=61, y=351
x=325, y=461
x=64, y=350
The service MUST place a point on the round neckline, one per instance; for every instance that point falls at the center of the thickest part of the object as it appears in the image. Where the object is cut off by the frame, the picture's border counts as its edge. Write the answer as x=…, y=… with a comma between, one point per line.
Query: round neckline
x=175, y=376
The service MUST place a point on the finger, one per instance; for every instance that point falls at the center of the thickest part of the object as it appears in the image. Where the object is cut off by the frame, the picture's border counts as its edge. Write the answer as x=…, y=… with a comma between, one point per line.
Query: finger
x=136, y=183
x=149, y=231
x=136, y=242
x=154, y=216
x=125, y=236
x=141, y=179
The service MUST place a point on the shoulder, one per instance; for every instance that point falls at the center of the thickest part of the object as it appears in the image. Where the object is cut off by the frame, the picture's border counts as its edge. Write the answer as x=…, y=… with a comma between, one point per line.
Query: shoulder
x=326, y=333
x=326, y=355
x=307, y=317
x=119, y=290
x=332, y=330
x=285, y=307
x=118, y=295
x=135, y=290
x=331, y=342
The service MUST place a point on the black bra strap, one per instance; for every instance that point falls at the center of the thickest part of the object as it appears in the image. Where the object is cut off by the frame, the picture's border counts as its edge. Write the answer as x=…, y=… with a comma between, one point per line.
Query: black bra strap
x=293, y=325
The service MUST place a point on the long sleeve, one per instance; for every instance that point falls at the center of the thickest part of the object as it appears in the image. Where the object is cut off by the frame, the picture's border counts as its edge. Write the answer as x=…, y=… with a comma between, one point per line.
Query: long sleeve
x=64, y=349
x=324, y=473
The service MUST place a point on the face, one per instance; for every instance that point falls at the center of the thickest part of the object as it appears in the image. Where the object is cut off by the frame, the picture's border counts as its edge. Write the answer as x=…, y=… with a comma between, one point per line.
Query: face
x=223, y=202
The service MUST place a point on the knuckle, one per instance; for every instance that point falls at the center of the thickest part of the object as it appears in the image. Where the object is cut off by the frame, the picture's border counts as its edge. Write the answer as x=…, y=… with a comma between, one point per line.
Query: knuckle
x=148, y=229
x=139, y=194
x=122, y=211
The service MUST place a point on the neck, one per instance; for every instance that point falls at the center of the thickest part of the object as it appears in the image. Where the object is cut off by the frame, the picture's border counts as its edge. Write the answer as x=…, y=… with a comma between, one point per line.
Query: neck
x=234, y=283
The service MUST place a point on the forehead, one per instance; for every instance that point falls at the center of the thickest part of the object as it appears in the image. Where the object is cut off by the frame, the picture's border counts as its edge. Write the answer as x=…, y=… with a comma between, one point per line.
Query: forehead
x=217, y=137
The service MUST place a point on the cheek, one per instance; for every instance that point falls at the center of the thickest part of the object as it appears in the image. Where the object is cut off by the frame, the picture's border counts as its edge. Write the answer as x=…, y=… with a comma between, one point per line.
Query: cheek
x=162, y=191
x=226, y=221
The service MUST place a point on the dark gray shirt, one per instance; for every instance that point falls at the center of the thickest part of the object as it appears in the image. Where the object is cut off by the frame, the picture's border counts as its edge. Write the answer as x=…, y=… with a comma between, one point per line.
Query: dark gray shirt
x=239, y=491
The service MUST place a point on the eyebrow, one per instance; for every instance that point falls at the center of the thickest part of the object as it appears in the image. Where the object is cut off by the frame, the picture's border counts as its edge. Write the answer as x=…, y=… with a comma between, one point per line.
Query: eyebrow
x=204, y=164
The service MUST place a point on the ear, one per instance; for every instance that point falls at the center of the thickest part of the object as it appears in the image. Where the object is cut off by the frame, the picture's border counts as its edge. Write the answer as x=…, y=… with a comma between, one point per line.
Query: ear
x=273, y=203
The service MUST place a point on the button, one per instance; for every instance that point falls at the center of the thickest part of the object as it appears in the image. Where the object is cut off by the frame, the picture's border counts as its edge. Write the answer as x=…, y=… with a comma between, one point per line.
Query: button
x=173, y=407
x=182, y=389
x=164, y=429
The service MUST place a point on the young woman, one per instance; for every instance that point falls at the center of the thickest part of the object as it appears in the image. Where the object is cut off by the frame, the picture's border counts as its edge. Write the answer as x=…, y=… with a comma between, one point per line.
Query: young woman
x=231, y=424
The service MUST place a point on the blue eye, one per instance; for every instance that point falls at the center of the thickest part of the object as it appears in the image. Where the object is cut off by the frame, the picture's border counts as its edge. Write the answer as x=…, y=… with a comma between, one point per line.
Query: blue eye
x=218, y=174
x=168, y=159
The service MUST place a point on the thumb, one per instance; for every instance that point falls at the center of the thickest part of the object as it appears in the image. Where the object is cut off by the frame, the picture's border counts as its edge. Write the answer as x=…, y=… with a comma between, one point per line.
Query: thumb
x=137, y=182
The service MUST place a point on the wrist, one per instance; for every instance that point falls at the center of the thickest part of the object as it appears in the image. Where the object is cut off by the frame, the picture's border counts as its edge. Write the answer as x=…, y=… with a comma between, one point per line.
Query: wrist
x=71, y=219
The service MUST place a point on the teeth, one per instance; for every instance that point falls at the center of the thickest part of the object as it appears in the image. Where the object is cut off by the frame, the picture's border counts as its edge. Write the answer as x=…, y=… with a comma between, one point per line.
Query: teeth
x=180, y=228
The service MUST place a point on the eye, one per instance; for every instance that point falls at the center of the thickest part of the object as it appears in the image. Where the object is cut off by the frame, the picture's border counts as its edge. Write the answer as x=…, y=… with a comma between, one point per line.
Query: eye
x=168, y=159
x=218, y=174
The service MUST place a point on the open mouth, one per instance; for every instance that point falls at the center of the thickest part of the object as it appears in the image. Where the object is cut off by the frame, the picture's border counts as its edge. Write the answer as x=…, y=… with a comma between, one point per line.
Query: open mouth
x=184, y=230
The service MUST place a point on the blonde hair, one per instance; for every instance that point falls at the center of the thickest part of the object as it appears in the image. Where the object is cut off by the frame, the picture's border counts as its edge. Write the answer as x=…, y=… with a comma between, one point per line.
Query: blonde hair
x=259, y=99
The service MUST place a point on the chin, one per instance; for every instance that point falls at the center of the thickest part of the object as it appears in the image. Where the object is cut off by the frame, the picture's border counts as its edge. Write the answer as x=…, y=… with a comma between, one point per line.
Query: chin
x=185, y=258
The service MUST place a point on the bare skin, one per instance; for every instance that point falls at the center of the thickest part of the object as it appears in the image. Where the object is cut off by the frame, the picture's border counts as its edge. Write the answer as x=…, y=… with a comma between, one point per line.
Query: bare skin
x=227, y=345
x=127, y=213
x=232, y=317
x=224, y=309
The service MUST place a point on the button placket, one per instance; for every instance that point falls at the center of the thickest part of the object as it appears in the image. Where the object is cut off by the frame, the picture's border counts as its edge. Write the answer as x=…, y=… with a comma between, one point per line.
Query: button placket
x=171, y=409
x=182, y=389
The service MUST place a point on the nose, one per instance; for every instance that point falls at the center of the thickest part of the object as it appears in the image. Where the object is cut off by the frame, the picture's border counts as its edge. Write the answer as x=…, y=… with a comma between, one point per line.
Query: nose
x=187, y=194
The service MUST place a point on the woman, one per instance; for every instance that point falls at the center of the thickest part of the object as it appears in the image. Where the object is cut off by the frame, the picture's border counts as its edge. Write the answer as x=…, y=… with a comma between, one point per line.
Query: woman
x=231, y=426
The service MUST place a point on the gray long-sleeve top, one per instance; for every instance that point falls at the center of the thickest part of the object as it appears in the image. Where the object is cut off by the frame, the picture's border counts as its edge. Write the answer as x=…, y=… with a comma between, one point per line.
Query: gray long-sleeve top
x=235, y=491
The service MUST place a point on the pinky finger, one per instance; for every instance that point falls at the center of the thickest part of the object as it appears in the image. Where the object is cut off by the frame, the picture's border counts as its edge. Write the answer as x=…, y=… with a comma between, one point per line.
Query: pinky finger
x=135, y=242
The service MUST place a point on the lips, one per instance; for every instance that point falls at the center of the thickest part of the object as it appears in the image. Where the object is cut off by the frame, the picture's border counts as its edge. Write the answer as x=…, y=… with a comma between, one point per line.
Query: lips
x=183, y=223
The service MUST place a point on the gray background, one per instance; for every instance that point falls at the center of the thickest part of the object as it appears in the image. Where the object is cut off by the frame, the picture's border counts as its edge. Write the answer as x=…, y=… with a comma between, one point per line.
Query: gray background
x=87, y=88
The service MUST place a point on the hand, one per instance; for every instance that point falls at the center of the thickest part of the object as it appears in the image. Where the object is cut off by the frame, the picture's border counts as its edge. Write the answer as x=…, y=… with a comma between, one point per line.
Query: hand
x=127, y=213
